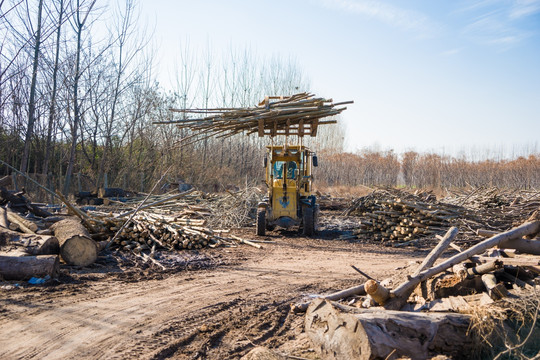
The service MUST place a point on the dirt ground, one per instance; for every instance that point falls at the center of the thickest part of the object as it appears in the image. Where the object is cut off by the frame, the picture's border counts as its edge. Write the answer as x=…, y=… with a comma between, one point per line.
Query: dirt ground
x=209, y=304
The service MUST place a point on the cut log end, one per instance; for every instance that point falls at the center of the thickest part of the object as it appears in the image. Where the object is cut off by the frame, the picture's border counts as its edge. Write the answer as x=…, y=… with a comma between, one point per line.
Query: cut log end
x=79, y=251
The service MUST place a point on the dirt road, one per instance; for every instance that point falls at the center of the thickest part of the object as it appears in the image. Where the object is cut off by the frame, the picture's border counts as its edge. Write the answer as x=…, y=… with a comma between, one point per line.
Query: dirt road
x=219, y=305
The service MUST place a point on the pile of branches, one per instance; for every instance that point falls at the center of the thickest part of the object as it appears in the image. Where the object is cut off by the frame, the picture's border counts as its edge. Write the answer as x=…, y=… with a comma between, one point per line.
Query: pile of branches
x=298, y=114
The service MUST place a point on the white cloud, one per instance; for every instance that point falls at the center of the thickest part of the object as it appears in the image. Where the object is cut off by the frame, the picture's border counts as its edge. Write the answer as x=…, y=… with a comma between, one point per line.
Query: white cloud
x=497, y=22
x=523, y=8
x=384, y=12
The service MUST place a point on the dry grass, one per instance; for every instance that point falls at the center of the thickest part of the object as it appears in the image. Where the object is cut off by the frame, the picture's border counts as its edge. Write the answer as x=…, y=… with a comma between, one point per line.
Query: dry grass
x=508, y=329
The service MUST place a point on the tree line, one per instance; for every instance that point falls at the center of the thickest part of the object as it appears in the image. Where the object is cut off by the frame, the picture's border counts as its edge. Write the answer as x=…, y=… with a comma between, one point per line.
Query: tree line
x=427, y=170
x=79, y=93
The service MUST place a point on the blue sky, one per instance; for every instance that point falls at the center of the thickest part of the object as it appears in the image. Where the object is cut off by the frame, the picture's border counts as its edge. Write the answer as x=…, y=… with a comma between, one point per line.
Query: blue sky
x=426, y=75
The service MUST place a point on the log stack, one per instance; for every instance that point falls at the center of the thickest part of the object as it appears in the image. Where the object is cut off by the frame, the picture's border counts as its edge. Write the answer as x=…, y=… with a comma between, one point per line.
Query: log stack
x=401, y=217
x=149, y=231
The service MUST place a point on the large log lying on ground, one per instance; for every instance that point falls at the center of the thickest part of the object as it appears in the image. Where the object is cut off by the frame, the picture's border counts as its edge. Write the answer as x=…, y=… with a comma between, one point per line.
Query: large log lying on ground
x=24, y=267
x=341, y=332
x=31, y=244
x=76, y=245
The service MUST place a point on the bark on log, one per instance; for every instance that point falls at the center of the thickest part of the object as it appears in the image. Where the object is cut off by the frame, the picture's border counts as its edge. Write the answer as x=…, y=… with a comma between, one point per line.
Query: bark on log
x=495, y=291
x=4, y=222
x=370, y=334
x=111, y=192
x=438, y=250
x=526, y=246
x=76, y=245
x=402, y=292
x=355, y=290
x=32, y=244
x=484, y=268
x=377, y=292
x=25, y=225
x=25, y=267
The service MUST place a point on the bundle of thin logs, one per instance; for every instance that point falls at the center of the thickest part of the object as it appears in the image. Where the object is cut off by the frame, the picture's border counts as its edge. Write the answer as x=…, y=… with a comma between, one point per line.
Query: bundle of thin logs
x=298, y=114
x=396, y=219
x=150, y=232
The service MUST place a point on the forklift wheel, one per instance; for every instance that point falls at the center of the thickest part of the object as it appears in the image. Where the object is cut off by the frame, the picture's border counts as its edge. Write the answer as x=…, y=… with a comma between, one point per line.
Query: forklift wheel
x=261, y=222
x=309, y=221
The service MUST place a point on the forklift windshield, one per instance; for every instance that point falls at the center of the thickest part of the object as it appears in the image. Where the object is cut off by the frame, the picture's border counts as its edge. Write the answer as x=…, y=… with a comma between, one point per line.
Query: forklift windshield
x=278, y=170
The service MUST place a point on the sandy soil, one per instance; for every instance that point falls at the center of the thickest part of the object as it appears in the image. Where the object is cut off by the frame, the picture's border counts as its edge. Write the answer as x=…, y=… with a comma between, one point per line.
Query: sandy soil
x=210, y=304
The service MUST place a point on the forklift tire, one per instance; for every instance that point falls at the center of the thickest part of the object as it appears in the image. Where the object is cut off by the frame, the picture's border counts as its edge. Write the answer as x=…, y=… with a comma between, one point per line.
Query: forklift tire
x=261, y=222
x=309, y=221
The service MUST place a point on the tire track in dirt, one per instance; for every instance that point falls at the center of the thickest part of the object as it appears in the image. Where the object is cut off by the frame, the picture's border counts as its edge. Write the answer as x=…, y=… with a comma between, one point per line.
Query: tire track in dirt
x=217, y=313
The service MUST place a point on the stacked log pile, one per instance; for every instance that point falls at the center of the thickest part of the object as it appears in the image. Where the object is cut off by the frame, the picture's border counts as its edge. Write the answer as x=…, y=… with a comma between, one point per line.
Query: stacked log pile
x=401, y=217
x=298, y=114
x=472, y=303
x=150, y=232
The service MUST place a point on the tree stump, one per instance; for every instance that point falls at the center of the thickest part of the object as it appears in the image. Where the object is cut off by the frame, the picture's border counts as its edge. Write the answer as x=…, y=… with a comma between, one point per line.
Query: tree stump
x=351, y=333
x=76, y=245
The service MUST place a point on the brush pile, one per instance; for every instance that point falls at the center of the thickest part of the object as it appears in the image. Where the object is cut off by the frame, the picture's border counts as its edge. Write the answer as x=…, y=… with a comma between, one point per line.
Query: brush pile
x=299, y=114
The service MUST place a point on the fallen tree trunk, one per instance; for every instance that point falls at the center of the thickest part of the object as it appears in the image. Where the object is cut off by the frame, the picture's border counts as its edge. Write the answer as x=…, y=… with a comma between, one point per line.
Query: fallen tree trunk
x=24, y=267
x=76, y=245
x=402, y=292
x=25, y=225
x=523, y=245
x=437, y=250
x=32, y=244
x=340, y=332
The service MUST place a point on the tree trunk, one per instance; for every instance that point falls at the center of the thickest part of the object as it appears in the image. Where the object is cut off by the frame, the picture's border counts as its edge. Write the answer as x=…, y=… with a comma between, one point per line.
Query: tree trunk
x=33, y=244
x=76, y=245
x=437, y=251
x=342, y=332
x=24, y=267
x=52, y=107
x=24, y=225
x=32, y=101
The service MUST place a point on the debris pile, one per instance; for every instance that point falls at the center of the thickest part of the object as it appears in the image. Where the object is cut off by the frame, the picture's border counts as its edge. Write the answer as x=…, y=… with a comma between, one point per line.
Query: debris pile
x=33, y=245
x=449, y=308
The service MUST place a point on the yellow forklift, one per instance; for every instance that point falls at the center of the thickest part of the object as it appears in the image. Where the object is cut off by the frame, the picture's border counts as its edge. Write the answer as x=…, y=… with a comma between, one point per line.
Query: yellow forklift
x=290, y=201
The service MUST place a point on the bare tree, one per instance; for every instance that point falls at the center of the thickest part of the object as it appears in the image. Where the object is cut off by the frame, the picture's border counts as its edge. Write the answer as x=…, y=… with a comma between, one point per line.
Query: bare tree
x=52, y=105
x=80, y=16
